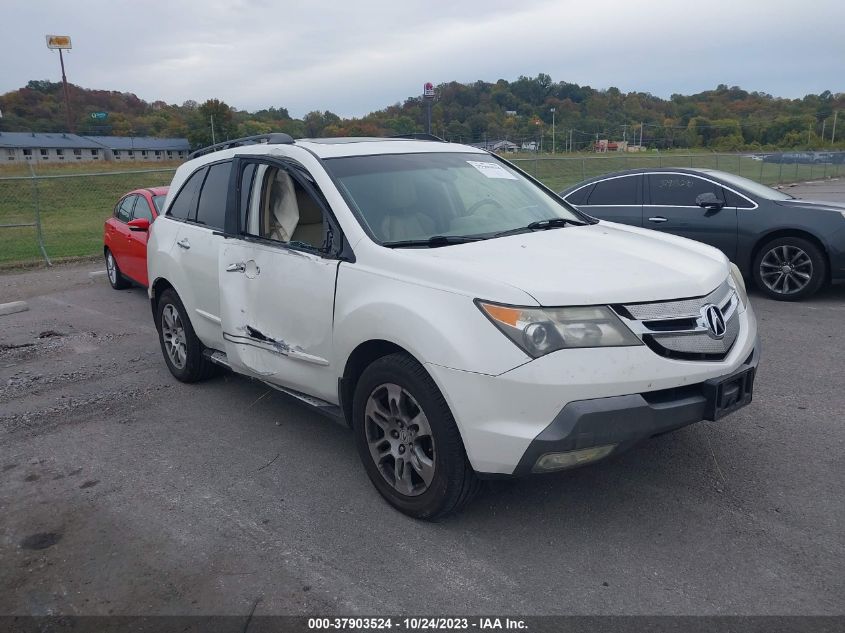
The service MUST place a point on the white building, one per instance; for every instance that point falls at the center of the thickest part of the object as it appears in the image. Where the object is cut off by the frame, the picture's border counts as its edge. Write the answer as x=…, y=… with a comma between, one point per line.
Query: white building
x=58, y=147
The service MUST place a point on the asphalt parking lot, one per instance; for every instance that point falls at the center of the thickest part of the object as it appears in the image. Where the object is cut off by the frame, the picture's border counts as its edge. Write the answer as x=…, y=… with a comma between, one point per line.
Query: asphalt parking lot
x=123, y=491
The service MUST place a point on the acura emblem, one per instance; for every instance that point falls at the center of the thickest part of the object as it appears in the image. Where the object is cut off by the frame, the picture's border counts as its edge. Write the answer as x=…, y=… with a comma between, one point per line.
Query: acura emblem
x=714, y=321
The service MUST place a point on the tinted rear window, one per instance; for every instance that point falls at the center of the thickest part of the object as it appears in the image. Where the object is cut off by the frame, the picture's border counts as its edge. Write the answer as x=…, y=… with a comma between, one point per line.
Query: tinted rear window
x=579, y=196
x=211, y=210
x=679, y=190
x=185, y=204
x=616, y=191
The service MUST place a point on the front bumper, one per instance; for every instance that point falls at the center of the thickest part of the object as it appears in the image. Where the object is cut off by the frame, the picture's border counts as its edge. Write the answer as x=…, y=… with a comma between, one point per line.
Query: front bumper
x=500, y=417
x=623, y=421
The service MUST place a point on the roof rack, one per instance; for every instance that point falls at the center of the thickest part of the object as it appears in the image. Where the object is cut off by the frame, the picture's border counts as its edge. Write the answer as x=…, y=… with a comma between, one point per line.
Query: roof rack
x=275, y=138
x=420, y=136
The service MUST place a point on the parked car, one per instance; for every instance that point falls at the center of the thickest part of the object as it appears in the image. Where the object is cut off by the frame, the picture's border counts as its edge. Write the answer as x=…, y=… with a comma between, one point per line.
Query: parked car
x=125, y=236
x=458, y=315
x=789, y=247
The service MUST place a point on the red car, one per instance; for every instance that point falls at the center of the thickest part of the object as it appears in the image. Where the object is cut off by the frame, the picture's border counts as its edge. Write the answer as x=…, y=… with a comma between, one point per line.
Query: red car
x=125, y=236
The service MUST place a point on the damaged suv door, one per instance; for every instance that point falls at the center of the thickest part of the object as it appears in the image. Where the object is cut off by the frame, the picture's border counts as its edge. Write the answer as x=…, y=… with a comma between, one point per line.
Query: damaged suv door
x=277, y=280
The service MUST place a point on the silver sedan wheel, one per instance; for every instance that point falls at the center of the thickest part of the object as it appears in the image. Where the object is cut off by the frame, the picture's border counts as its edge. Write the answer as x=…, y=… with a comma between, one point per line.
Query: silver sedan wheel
x=786, y=270
x=173, y=333
x=111, y=268
x=399, y=437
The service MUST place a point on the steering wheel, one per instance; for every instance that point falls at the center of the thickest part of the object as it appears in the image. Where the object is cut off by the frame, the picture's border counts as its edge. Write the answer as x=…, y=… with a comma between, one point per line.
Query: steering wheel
x=481, y=203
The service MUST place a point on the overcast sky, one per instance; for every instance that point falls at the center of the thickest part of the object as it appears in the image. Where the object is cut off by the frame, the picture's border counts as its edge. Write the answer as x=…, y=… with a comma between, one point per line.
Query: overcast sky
x=354, y=57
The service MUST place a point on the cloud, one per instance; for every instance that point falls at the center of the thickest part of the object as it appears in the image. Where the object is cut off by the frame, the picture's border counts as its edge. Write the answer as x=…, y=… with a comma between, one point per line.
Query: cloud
x=355, y=57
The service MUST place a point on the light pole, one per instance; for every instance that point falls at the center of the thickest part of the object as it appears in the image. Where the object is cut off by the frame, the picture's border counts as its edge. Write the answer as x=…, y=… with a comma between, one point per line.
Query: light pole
x=553, y=130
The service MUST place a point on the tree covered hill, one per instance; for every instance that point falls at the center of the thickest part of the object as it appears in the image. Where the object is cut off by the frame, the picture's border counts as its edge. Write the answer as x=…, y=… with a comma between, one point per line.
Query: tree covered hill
x=721, y=119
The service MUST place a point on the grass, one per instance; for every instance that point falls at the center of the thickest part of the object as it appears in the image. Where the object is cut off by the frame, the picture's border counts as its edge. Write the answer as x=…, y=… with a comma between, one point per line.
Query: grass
x=75, y=201
x=73, y=210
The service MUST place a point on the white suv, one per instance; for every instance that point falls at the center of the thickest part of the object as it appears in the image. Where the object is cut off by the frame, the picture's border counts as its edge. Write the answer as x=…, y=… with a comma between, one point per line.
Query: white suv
x=463, y=319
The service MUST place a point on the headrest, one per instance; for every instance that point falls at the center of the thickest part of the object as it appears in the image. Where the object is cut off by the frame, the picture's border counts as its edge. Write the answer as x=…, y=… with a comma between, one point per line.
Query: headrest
x=400, y=193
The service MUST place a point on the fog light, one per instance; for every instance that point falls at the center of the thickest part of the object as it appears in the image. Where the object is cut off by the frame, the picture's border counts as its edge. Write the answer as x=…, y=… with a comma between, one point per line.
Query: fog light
x=570, y=459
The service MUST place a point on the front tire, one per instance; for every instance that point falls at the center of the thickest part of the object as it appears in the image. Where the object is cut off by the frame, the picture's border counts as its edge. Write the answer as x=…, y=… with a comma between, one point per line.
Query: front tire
x=182, y=349
x=116, y=278
x=408, y=440
x=789, y=268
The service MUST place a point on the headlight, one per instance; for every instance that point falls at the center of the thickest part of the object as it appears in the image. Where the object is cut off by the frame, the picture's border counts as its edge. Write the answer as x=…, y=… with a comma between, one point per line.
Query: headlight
x=539, y=331
x=738, y=283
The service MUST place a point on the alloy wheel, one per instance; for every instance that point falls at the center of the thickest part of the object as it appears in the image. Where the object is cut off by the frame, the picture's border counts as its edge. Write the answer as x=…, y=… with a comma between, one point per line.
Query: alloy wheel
x=111, y=268
x=173, y=334
x=399, y=438
x=786, y=269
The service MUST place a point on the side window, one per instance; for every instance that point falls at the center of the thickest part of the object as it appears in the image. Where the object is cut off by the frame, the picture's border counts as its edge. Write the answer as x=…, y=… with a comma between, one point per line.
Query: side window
x=679, y=190
x=211, y=210
x=734, y=200
x=185, y=204
x=615, y=192
x=280, y=209
x=124, y=209
x=579, y=196
x=142, y=210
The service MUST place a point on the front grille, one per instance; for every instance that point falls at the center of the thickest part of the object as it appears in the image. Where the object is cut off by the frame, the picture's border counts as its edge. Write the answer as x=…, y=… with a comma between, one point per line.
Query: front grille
x=678, y=309
x=677, y=329
x=700, y=343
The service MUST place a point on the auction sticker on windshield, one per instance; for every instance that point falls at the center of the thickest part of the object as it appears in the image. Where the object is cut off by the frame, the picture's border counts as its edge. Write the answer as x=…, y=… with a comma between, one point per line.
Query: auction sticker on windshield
x=492, y=170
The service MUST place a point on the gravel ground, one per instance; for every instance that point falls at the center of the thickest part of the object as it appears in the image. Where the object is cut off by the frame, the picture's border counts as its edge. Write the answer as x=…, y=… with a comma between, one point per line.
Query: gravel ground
x=123, y=491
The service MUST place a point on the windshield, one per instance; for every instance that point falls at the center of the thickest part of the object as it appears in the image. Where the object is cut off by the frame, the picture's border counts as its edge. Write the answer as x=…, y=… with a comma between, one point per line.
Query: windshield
x=158, y=201
x=404, y=197
x=754, y=188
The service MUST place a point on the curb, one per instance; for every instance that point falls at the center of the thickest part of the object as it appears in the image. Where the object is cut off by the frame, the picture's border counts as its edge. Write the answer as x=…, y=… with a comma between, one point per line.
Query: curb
x=13, y=307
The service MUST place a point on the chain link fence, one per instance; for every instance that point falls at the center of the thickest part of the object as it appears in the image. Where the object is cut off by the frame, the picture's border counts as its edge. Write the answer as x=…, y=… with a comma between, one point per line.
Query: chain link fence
x=559, y=172
x=44, y=217
x=50, y=216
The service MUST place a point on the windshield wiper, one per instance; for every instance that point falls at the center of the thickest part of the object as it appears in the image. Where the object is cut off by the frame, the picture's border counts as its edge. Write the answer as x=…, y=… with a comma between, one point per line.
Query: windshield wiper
x=434, y=241
x=540, y=225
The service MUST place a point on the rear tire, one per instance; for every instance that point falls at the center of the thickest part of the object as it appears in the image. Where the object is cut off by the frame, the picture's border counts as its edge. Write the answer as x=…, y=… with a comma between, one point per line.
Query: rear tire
x=789, y=268
x=182, y=350
x=408, y=440
x=116, y=278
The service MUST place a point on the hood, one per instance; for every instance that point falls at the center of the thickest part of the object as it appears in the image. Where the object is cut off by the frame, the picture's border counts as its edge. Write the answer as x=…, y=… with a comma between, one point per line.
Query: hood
x=584, y=265
x=815, y=205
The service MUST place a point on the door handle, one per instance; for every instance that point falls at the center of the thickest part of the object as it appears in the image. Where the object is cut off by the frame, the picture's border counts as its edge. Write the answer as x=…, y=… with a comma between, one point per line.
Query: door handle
x=658, y=218
x=184, y=243
x=238, y=267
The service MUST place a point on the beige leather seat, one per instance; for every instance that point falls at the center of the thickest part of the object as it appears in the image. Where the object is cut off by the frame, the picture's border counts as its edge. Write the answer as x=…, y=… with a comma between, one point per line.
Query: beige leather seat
x=403, y=219
x=310, y=227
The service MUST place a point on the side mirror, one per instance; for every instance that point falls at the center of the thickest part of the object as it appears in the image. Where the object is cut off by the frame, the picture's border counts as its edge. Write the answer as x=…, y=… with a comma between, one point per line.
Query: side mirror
x=140, y=224
x=706, y=201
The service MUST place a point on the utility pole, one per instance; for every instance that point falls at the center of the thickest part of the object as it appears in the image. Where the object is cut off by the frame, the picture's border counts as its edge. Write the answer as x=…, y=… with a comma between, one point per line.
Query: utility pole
x=809, y=132
x=67, y=95
x=824, y=123
x=570, y=140
x=213, y=141
x=641, y=134
x=833, y=133
x=553, y=130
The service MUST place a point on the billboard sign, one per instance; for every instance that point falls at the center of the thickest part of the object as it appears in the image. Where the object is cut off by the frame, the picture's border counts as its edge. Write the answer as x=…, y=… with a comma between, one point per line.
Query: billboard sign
x=428, y=90
x=99, y=116
x=59, y=41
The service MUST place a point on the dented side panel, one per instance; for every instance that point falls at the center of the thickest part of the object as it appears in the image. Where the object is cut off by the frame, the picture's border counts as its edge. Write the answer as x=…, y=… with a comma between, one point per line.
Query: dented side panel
x=276, y=312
